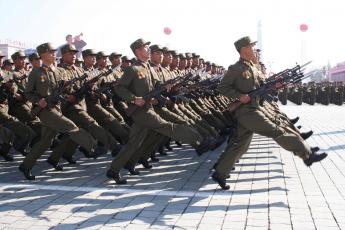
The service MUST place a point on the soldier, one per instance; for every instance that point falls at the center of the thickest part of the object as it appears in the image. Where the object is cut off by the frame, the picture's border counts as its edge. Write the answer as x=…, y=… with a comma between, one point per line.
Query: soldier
x=35, y=60
x=41, y=87
x=19, y=106
x=136, y=82
x=122, y=130
x=77, y=111
x=240, y=79
x=125, y=62
x=7, y=65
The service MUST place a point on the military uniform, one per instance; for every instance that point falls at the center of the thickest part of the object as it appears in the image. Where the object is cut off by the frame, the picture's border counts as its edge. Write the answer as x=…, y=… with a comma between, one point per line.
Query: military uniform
x=137, y=81
x=241, y=78
x=42, y=83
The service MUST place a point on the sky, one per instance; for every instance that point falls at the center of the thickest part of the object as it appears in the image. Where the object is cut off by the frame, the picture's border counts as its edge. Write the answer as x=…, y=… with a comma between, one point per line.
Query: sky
x=206, y=27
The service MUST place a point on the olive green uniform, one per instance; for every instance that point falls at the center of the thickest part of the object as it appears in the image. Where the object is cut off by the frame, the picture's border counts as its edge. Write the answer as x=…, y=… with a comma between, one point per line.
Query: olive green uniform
x=242, y=78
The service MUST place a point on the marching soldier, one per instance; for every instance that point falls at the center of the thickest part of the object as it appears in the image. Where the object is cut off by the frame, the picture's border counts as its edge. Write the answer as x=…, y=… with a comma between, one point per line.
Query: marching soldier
x=136, y=82
x=42, y=84
x=240, y=79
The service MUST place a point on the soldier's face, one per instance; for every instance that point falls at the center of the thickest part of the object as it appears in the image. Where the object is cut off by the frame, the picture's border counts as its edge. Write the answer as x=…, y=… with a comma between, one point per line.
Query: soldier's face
x=157, y=57
x=69, y=57
x=116, y=61
x=167, y=59
x=250, y=52
x=48, y=57
x=19, y=62
x=195, y=61
x=36, y=63
x=89, y=60
x=183, y=63
x=175, y=62
x=143, y=53
x=102, y=61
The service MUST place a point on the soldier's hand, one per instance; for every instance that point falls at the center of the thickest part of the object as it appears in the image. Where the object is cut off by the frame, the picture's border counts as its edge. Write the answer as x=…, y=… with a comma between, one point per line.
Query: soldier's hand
x=18, y=97
x=139, y=101
x=244, y=99
x=279, y=85
x=103, y=97
x=168, y=87
x=71, y=99
x=42, y=103
x=154, y=101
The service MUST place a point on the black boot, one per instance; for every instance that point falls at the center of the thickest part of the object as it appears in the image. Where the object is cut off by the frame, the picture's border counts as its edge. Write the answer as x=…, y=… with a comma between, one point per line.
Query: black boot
x=70, y=159
x=314, y=149
x=86, y=153
x=161, y=151
x=132, y=169
x=204, y=146
x=306, y=135
x=178, y=143
x=167, y=145
x=145, y=163
x=220, y=181
x=116, y=177
x=294, y=121
x=314, y=157
x=26, y=172
x=56, y=165
x=4, y=152
x=154, y=158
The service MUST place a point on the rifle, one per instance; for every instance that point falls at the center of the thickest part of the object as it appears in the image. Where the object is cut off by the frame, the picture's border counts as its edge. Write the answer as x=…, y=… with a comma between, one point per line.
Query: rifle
x=58, y=94
x=272, y=84
x=155, y=93
x=78, y=94
x=55, y=97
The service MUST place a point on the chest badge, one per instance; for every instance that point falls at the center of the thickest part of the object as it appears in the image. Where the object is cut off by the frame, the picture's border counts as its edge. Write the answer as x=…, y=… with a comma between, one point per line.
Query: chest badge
x=42, y=78
x=246, y=74
x=141, y=74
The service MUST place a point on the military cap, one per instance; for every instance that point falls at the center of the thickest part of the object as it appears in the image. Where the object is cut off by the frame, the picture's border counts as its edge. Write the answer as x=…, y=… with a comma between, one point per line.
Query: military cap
x=173, y=53
x=189, y=55
x=154, y=48
x=88, y=52
x=207, y=63
x=68, y=48
x=139, y=43
x=101, y=54
x=181, y=56
x=18, y=54
x=243, y=42
x=1, y=55
x=165, y=49
x=34, y=56
x=114, y=54
x=133, y=60
x=125, y=58
x=213, y=64
x=194, y=55
x=8, y=62
x=45, y=47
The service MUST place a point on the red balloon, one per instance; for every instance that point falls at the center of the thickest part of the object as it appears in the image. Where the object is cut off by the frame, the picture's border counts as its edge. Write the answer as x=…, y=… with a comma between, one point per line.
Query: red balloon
x=167, y=30
x=303, y=27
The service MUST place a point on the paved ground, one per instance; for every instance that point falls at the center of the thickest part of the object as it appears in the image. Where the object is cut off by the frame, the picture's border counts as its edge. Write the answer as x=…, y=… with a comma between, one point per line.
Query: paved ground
x=270, y=189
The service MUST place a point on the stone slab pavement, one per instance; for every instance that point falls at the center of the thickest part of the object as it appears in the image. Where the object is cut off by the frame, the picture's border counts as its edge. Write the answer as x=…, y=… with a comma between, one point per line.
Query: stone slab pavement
x=270, y=188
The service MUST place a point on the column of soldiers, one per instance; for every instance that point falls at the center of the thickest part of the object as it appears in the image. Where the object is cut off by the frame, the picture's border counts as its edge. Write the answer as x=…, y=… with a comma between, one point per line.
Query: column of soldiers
x=66, y=106
x=135, y=108
x=324, y=93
